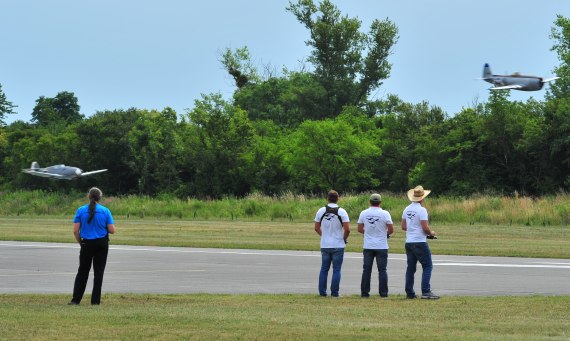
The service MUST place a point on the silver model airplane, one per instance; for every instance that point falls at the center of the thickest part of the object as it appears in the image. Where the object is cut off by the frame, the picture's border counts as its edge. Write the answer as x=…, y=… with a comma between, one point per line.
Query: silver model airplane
x=515, y=81
x=61, y=172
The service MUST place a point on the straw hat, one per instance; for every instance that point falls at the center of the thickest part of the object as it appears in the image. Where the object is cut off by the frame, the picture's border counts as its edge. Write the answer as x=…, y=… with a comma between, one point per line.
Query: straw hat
x=418, y=194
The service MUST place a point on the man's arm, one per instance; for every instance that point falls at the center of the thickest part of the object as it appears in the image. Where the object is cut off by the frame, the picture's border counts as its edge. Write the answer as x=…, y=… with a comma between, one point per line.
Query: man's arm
x=318, y=228
x=76, y=231
x=390, y=228
x=404, y=224
x=426, y=228
x=346, y=227
x=360, y=227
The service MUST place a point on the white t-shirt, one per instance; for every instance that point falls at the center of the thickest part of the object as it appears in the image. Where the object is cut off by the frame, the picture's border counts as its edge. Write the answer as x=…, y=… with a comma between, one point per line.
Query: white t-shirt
x=413, y=214
x=332, y=231
x=375, y=222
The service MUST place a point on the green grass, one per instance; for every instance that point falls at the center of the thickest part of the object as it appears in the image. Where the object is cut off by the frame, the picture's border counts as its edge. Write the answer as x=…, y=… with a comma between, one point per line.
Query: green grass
x=455, y=239
x=490, y=210
x=284, y=317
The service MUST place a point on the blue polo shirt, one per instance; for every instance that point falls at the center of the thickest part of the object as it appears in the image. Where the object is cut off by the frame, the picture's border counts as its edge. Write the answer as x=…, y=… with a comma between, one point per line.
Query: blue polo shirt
x=98, y=226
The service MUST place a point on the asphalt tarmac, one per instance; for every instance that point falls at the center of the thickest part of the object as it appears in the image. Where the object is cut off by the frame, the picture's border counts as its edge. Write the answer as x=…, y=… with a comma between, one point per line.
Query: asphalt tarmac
x=27, y=267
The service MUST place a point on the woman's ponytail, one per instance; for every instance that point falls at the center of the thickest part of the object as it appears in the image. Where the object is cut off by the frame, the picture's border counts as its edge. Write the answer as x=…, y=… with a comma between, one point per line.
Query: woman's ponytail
x=95, y=195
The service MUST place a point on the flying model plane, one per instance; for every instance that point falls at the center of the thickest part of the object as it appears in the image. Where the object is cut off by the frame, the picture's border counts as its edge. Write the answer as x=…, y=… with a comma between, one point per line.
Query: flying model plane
x=61, y=172
x=515, y=81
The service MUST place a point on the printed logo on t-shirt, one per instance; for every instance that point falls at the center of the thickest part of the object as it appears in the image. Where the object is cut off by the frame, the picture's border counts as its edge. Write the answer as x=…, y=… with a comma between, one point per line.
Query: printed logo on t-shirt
x=411, y=215
x=329, y=216
x=373, y=220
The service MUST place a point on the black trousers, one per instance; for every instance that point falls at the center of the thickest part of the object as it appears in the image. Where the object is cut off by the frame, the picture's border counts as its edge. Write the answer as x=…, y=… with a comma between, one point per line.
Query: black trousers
x=92, y=251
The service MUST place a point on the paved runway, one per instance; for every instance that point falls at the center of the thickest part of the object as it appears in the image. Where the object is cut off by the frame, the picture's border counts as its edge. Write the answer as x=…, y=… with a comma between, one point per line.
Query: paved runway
x=27, y=267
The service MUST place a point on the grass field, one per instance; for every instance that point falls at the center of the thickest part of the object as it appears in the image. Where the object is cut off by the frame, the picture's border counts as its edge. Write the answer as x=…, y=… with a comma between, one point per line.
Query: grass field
x=283, y=317
x=515, y=210
x=455, y=239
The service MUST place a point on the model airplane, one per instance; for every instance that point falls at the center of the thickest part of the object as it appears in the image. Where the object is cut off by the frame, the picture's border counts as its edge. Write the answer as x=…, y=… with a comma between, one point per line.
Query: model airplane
x=61, y=172
x=515, y=81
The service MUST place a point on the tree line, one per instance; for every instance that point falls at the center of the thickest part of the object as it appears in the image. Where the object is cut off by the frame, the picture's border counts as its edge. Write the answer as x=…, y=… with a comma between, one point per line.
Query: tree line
x=304, y=131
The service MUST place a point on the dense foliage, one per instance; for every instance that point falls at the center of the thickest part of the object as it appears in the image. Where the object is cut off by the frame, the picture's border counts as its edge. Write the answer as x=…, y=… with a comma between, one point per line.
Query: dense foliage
x=305, y=131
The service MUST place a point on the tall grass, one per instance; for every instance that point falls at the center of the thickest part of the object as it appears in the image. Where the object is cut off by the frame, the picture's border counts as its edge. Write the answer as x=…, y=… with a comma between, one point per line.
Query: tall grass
x=479, y=209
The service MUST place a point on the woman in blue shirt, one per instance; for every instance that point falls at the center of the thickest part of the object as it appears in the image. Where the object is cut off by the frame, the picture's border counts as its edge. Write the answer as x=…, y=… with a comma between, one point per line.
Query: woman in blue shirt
x=92, y=224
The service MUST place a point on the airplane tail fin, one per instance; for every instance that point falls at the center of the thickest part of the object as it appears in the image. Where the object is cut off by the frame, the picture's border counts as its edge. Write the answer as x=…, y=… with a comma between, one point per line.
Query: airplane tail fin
x=35, y=165
x=487, y=71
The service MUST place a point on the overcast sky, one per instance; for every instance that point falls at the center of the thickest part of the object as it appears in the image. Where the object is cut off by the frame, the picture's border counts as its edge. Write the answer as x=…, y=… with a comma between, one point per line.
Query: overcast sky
x=118, y=54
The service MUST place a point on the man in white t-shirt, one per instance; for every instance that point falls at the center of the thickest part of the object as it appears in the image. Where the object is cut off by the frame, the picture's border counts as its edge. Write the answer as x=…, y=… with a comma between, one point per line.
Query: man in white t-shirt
x=376, y=225
x=332, y=224
x=415, y=223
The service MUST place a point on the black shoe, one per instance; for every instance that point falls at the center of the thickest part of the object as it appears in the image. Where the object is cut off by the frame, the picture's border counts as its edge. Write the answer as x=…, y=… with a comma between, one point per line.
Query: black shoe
x=72, y=303
x=429, y=296
x=365, y=295
x=411, y=297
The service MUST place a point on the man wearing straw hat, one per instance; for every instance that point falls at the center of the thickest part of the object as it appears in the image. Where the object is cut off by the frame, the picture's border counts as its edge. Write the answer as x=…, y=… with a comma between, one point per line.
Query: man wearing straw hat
x=415, y=223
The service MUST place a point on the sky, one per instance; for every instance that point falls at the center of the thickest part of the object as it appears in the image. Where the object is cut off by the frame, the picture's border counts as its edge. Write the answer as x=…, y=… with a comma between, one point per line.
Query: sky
x=119, y=54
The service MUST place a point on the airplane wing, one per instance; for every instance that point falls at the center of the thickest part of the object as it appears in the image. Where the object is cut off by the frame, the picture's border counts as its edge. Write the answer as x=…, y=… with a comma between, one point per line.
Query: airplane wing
x=93, y=172
x=506, y=87
x=43, y=174
x=550, y=79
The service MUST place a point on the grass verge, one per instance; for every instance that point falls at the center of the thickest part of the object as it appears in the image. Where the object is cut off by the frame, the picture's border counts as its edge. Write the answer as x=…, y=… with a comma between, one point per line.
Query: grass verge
x=456, y=239
x=284, y=317
x=551, y=210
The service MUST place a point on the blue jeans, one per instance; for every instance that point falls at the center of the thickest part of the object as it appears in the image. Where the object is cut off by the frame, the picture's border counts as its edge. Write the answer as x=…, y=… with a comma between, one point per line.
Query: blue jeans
x=334, y=256
x=418, y=252
x=381, y=256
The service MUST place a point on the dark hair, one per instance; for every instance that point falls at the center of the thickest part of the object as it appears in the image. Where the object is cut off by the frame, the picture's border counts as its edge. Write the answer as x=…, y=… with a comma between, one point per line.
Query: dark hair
x=95, y=195
x=375, y=203
x=332, y=196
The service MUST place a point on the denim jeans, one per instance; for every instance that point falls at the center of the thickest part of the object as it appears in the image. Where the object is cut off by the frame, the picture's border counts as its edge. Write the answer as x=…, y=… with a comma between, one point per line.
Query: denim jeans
x=381, y=256
x=418, y=252
x=334, y=256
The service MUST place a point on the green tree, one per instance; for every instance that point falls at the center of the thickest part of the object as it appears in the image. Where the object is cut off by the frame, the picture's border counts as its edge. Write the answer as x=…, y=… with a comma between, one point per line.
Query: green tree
x=224, y=134
x=404, y=135
x=557, y=117
x=348, y=63
x=561, y=35
x=331, y=154
x=6, y=107
x=499, y=146
x=155, y=149
x=27, y=143
x=61, y=109
x=3, y=155
x=103, y=142
x=287, y=100
x=264, y=161
x=239, y=66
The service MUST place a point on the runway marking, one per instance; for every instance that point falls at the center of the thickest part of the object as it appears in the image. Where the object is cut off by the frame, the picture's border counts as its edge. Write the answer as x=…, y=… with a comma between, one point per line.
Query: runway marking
x=144, y=271
x=554, y=263
x=106, y=272
x=545, y=265
x=40, y=274
x=490, y=265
